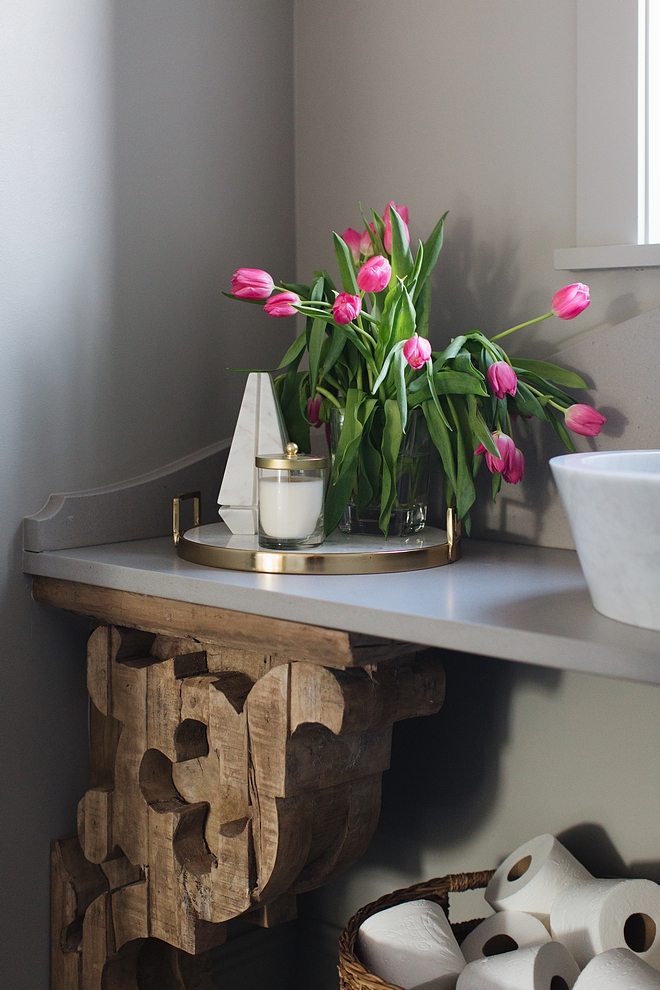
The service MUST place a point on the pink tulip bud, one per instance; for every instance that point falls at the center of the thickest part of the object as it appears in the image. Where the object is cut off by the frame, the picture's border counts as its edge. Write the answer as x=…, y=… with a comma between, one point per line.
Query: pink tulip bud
x=313, y=406
x=417, y=351
x=282, y=303
x=570, y=301
x=502, y=379
x=507, y=449
x=346, y=308
x=366, y=247
x=251, y=283
x=403, y=213
x=375, y=274
x=401, y=210
x=584, y=419
x=516, y=468
x=353, y=239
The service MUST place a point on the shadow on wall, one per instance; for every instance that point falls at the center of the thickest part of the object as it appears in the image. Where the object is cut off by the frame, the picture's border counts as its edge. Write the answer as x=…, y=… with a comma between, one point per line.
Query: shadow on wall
x=593, y=847
x=445, y=769
x=474, y=283
x=443, y=782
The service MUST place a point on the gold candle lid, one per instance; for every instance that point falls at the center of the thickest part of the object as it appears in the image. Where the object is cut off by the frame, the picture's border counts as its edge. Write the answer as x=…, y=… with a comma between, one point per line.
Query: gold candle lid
x=291, y=460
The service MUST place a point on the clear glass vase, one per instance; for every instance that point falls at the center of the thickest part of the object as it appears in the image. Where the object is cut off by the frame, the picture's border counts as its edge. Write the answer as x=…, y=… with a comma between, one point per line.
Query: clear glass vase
x=412, y=482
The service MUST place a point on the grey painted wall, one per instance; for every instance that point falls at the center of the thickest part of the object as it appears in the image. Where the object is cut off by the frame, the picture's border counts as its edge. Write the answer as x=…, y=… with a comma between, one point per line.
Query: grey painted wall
x=471, y=107
x=147, y=151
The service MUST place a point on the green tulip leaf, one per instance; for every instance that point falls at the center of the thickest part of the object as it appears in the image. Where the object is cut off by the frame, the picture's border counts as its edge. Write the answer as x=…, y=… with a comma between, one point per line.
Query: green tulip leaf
x=404, y=318
x=296, y=349
x=391, y=444
x=375, y=238
x=560, y=376
x=402, y=261
x=452, y=349
x=446, y=383
x=442, y=441
x=370, y=465
x=303, y=291
x=292, y=397
x=423, y=309
x=337, y=344
x=315, y=343
x=432, y=389
x=496, y=484
x=401, y=397
x=562, y=433
x=527, y=403
x=432, y=249
x=379, y=224
x=411, y=281
x=543, y=385
x=480, y=432
x=346, y=265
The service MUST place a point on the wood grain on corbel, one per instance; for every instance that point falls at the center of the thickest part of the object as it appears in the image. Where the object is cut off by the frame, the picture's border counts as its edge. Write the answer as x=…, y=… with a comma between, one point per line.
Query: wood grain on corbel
x=279, y=639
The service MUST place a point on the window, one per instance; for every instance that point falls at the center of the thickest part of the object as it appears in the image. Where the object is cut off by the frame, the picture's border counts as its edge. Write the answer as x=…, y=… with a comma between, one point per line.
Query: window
x=618, y=144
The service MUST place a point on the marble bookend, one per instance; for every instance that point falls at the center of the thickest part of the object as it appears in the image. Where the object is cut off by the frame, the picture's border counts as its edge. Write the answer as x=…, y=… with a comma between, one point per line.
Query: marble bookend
x=259, y=430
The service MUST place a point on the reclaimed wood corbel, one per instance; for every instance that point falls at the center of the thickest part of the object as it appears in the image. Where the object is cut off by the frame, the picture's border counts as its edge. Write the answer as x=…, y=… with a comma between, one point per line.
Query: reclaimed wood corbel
x=224, y=780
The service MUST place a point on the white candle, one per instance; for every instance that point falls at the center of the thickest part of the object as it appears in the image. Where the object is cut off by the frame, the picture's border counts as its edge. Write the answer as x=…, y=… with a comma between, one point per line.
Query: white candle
x=289, y=510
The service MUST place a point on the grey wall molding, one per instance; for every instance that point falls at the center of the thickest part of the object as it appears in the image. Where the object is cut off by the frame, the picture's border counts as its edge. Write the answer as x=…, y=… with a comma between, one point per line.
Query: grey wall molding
x=131, y=510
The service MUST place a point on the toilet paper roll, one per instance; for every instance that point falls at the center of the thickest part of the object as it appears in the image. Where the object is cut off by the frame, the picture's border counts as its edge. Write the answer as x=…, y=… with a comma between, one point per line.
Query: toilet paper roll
x=540, y=967
x=532, y=876
x=597, y=915
x=411, y=945
x=618, y=969
x=504, y=932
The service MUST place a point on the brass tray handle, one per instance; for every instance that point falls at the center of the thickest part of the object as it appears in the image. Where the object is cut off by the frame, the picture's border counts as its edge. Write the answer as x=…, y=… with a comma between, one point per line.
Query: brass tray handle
x=454, y=531
x=176, y=513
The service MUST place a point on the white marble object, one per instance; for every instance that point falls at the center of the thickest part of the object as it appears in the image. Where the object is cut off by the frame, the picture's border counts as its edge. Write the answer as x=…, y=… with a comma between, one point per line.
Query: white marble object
x=259, y=430
x=612, y=500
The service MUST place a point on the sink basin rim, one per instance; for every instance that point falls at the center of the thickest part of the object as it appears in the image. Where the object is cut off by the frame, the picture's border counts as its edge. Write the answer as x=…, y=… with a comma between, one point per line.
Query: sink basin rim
x=610, y=464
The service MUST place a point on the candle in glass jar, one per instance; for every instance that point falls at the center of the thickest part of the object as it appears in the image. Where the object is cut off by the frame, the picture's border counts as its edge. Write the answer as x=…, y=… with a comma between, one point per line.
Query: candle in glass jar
x=289, y=508
x=291, y=490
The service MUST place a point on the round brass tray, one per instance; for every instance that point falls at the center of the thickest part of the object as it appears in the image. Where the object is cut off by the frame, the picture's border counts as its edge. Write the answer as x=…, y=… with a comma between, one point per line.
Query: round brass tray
x=215, y=546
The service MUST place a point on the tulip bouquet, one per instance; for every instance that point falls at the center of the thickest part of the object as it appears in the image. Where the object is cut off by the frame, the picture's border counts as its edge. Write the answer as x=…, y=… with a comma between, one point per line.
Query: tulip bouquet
x=369, y=356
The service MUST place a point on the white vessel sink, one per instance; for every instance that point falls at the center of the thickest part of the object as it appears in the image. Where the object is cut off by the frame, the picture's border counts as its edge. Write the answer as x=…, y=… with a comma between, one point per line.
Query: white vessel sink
x=612, y=500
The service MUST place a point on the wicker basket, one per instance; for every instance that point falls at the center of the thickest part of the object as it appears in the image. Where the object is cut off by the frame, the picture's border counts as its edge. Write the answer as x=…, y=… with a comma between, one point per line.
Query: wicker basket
x=352, y=974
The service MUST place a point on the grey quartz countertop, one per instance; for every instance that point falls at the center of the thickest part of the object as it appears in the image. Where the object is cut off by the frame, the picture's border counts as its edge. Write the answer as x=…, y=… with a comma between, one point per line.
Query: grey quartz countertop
x=522, y=603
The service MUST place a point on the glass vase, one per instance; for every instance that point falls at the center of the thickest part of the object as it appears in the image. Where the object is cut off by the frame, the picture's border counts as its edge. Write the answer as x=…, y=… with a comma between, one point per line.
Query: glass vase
x=412, y=482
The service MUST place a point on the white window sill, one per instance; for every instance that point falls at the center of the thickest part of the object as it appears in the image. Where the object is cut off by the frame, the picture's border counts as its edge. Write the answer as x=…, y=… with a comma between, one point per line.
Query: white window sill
x=615, y=256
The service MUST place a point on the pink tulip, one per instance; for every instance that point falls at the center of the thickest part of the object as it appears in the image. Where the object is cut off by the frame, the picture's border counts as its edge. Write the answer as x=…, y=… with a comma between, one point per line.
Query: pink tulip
x=516, y=467
x=353, y=239
x=346, y=308
x=507, y=449
x=282, y=303
x=570, y=301
x=417, y=351
x=375, y=274
x=366, y=247
x=403, y=213
x=401, y=210
x=251, y=283
x=313, y=407
x=502, y=379
x=583, y=419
